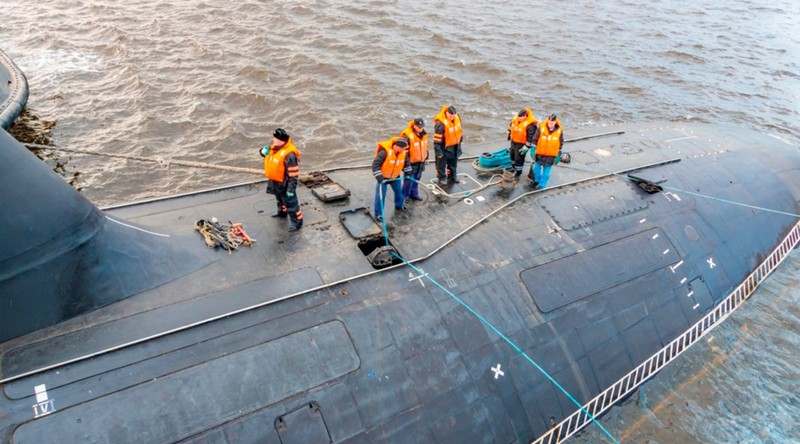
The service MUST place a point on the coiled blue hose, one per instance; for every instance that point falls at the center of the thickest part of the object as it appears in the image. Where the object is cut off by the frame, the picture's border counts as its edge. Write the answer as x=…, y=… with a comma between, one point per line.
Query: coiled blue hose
x=497, y=159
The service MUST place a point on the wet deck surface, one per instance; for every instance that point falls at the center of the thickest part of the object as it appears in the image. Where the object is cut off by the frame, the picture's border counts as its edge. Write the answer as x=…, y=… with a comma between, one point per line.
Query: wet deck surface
x=396, y=325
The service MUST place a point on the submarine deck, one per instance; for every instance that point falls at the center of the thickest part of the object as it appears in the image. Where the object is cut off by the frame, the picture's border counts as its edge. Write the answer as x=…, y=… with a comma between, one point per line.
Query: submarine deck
x=317, y=287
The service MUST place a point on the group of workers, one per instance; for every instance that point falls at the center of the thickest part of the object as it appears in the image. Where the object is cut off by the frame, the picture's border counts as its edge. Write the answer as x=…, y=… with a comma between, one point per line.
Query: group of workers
x=399, y=162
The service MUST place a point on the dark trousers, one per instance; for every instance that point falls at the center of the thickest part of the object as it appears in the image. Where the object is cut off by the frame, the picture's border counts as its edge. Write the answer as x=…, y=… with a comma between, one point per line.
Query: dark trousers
x=446, y=166
x=517, y=159
x=290, y=205
x=411, y=182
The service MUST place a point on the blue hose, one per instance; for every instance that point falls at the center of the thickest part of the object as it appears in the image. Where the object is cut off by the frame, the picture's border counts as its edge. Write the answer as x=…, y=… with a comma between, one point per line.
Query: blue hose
x=497, y=159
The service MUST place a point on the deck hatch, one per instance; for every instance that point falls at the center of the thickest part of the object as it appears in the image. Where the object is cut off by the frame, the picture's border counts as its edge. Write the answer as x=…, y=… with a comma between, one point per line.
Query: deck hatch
x=570, y=279
x=303, y=425
x=591, y=203
x=207, y=395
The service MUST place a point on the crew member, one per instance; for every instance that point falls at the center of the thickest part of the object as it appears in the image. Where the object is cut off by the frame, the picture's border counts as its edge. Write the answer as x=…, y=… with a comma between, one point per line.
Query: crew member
x=417, y=154
x=282, y=168
x=447, y=139
x=549, y=140
x=389, y=163
x=521, y=133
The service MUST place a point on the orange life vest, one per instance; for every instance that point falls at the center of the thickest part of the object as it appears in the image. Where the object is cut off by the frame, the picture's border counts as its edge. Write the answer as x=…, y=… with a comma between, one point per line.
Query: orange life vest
x=394, y=163
x=519, y=128
x=274, y=166
x=452, y=130
x=417, y=147
x=548, y=144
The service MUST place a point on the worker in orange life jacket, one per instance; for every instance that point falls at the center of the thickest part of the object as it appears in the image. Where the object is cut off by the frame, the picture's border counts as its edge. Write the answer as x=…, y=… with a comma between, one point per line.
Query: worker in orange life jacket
x=447, y=137
x=389, y=164
x=521, y=133
x=549, y=140
x=417, y=154
x=282, y=168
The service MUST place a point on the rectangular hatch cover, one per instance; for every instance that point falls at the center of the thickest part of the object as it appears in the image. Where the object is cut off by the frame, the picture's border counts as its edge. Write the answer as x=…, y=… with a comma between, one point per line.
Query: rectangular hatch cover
x=570, y=279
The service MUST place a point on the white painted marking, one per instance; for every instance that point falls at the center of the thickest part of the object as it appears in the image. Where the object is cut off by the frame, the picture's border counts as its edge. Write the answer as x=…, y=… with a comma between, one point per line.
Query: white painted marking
x=43, y=406
x=137, y=228
x=680, y=138
x=586, y=228
x=695, y=306
x=675, y=267
x=690, y=294
x=666, y=251
x=480, y=198
x=782, y=140
x=655, y=236
x=643, y=221
x=411, y=277
x=678, y=198
x=446, y=276
x=683, y=281
x=711, y=263
x=553, y=229
x=41, y=393
x=497, y=372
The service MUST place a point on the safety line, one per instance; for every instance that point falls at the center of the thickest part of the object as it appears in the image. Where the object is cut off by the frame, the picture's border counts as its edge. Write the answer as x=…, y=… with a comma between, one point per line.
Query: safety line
x=719, y=199
x=487, y=323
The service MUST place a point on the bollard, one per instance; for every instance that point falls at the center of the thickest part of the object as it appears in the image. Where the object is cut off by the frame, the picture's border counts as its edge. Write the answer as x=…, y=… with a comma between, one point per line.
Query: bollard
x=509, y=177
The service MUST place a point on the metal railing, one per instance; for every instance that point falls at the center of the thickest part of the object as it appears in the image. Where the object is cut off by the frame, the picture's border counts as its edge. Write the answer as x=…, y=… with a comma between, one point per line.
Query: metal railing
x=605, y=400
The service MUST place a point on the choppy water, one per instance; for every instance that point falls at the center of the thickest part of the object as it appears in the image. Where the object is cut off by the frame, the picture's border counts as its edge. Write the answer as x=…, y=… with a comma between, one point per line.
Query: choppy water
x=208, y=81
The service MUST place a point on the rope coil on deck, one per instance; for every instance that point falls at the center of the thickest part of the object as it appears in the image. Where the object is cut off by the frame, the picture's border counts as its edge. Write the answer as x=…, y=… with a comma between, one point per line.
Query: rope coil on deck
x=229, y=237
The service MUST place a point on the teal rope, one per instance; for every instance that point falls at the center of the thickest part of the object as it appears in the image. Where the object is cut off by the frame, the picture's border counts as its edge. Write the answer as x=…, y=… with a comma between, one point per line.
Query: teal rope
x=732, y=202
x=718, y=199
x=491, y=326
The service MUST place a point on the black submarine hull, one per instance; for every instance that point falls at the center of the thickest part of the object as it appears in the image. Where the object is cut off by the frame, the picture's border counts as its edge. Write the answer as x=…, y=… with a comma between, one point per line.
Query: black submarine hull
x=300, y=339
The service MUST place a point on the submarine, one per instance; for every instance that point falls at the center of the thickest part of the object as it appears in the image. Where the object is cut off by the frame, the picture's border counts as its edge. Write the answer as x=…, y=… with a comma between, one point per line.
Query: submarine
x=487, y=312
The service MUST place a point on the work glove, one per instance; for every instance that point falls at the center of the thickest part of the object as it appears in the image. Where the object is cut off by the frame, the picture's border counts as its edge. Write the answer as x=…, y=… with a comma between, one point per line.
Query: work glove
x=524, y=149
x=558, y=159
x=264, y=151
x=379, y=179
x=289, y=194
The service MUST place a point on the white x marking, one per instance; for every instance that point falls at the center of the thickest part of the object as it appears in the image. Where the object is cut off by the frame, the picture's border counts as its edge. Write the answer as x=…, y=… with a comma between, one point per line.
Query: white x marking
x=497, y=372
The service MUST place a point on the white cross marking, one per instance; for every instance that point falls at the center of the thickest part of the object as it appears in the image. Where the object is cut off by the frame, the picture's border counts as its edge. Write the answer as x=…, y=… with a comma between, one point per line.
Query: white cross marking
x=711, y=263
x=411, y=277
x=675, y=267
x=497, y=372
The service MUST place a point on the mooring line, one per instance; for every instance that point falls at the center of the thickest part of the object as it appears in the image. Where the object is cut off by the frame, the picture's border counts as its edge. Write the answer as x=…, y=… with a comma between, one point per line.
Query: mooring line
x=678, y=190
x=487, y=323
